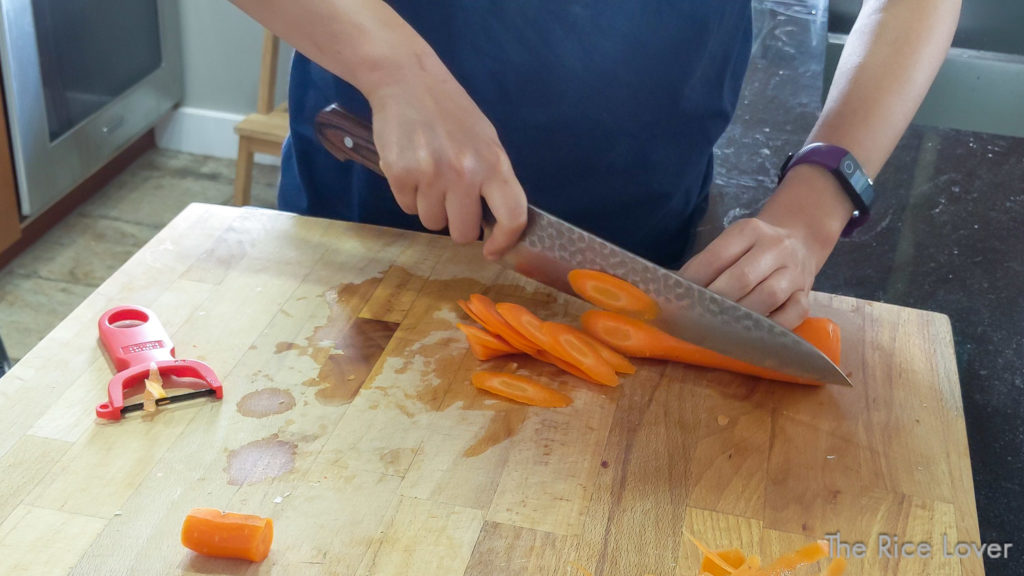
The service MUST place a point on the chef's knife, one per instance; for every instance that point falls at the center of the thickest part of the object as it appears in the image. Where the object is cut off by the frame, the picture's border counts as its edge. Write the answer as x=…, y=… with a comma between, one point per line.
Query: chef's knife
x=549, y=248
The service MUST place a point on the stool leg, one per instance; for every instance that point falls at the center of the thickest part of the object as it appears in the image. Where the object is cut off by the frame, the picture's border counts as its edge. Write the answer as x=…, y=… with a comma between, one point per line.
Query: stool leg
x=243, y=173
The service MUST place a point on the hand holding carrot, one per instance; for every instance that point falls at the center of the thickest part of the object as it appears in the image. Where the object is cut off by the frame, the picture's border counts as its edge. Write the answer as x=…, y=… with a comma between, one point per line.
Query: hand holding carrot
x=768, y=263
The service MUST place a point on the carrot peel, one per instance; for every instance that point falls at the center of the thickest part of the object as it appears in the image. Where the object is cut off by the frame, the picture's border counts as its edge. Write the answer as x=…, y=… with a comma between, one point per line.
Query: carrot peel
x=210, y=532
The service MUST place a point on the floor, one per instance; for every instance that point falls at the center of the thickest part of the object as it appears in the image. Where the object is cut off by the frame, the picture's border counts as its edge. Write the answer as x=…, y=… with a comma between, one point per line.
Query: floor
x=45, y=283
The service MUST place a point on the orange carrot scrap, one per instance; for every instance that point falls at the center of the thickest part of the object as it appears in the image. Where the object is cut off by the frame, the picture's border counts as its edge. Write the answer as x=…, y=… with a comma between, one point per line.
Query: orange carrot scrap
x=612, y=293
x=211, y=532
x=836, y=567
x=734, y=557
x=520, y=389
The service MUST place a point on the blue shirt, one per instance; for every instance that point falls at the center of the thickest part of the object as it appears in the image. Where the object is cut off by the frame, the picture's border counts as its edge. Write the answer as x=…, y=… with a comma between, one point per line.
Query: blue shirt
x=608, y=110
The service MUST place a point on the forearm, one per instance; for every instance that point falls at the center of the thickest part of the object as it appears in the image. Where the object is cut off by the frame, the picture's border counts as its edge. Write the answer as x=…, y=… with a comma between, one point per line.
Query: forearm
x=364, y=42
x=890, y=59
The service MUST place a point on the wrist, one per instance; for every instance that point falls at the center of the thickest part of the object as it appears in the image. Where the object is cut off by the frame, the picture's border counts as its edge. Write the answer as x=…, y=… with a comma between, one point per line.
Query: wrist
x=811, y=203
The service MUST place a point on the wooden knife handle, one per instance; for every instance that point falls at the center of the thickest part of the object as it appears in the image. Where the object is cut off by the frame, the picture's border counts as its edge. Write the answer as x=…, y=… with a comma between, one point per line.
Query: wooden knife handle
x=347, y=137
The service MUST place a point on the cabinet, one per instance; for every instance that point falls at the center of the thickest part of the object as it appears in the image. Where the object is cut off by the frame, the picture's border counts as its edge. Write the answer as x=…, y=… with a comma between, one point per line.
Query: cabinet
x=10, y=221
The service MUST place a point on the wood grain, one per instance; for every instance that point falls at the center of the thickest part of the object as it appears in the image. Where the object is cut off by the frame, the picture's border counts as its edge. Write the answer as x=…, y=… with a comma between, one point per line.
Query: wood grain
x=349, y=419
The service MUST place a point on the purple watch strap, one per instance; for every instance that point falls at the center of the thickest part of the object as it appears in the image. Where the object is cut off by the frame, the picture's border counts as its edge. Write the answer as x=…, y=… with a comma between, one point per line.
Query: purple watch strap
x=847, y=171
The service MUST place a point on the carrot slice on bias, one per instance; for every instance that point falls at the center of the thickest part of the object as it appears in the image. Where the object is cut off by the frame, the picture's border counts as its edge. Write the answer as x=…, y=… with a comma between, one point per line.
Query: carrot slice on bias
x=525, y=322
x=484, y=345
x=618, y=362
x=566, y=344
x=612, y=293
x=486, y=311
x=548, y=357
x=638, y=339
x=469, y=312
x=486, y=338
x=520, y=389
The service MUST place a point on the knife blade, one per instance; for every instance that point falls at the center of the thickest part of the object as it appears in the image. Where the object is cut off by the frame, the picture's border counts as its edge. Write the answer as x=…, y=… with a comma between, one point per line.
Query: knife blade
x=550, y=248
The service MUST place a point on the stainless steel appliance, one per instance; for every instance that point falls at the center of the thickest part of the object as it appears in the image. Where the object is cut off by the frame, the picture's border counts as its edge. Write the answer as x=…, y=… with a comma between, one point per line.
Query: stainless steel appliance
x=981, y=84
x=82, y=80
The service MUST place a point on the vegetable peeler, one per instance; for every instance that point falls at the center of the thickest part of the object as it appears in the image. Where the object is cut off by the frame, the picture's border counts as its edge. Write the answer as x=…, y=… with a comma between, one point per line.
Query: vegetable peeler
x=133, y=338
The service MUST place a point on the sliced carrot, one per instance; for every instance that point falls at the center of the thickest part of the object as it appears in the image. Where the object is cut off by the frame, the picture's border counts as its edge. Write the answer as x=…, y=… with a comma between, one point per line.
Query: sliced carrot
x=635, y=338
x=618, y=362
x=733, y=557
x=469, y=312
x=566, y=344
x=525, y=322
x=488, y=315
x=485, y=345
x=211, y=532
x=520, y=389
x=545, y=356
x=612, y=293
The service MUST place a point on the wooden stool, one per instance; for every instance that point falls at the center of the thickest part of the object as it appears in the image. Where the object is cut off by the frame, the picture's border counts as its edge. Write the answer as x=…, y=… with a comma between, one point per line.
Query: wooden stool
x=263, y=132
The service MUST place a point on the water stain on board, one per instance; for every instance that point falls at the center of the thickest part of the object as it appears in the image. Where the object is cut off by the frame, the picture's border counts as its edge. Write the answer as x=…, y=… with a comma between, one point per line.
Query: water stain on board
x=260, y=460
x=265, y=402
x=344, y=347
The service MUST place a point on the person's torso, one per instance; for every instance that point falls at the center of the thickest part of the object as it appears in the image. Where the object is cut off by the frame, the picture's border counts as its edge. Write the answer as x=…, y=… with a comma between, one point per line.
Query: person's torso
x=609, y=111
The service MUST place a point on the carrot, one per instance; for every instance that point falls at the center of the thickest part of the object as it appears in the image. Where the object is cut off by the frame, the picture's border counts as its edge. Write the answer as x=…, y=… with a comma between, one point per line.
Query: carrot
x=531, y=326
x=488, y=315
x=485, y=345
x=632, y=337
x=545, y=356
x=469, y=312
x=520, y=389
x=733, y=557
x=611, y=293
x=525, y=322
x=836, y=567
x=824, y=334
x=565, y=343
x=806, y=555
x=618, y=362
x=211, y=532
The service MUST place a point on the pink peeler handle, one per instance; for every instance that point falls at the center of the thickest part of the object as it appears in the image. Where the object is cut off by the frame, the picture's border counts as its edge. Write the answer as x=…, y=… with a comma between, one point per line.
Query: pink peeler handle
x=133, y=338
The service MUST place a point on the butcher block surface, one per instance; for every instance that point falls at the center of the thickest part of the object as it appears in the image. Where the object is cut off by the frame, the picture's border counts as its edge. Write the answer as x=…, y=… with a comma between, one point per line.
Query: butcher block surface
x=348, y=418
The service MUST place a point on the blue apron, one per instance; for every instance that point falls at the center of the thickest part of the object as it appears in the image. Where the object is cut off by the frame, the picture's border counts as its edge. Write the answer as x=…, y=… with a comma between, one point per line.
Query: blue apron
x=608, y=110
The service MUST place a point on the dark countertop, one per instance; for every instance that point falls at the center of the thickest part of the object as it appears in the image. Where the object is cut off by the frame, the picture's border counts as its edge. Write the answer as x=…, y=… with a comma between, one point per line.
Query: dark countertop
x=947, y=234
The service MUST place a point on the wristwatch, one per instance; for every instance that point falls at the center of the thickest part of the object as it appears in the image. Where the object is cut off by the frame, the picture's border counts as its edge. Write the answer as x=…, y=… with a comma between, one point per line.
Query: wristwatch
x=841, y=163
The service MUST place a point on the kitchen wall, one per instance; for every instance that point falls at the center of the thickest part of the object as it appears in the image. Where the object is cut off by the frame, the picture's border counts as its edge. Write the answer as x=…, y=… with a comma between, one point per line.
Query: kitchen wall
x=221, y=49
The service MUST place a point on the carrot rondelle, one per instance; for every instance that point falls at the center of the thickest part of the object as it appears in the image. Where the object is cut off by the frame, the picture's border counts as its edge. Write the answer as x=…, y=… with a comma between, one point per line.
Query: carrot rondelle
x=612, y=293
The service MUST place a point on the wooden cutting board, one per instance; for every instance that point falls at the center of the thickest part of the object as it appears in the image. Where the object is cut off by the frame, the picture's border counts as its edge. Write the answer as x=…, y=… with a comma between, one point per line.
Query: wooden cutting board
x=349, y=419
